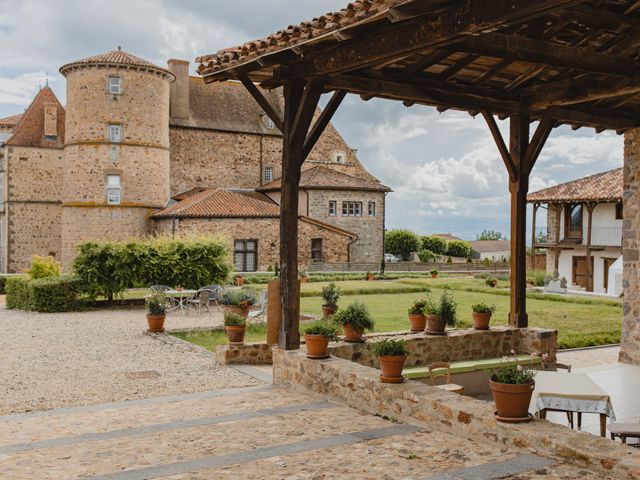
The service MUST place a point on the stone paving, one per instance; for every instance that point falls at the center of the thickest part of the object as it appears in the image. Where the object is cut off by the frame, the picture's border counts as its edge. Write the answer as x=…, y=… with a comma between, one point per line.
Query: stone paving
x=249, y=433
x=98, y=356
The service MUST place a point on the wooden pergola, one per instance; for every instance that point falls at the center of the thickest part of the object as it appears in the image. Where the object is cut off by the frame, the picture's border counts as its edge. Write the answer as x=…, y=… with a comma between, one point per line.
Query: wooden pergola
x=554, y=62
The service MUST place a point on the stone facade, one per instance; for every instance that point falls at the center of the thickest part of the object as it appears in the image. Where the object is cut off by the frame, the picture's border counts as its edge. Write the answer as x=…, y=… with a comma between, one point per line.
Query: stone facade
x=552, y=229
x=630, y=340
x=246, y=354
x=267, y=232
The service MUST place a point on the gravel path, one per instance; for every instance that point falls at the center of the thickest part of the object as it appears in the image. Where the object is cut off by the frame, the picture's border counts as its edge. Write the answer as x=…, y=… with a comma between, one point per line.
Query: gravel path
x=69, y=359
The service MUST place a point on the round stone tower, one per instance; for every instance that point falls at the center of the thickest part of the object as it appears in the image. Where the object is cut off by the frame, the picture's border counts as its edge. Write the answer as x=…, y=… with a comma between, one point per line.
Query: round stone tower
x=116, y=152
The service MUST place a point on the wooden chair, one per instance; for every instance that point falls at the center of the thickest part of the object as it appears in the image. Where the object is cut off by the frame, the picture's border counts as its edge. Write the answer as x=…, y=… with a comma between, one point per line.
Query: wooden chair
x=450, y=387
x=554, y=367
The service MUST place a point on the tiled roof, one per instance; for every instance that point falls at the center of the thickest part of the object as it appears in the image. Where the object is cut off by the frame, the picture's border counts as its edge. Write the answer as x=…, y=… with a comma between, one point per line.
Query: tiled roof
x=320, y=177
x=115, y=58
x=209, y=107
x=446, y=236
x=601, y=187
x=355, y=12
x=11, y=121
x=218, y=202
x=485, y=246
x=29, y=132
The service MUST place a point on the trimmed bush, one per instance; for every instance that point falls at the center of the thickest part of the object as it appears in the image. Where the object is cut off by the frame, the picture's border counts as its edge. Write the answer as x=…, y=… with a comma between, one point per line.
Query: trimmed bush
x=4, y=278
x=459, y=248
x=401, y=243
x=44, y=267
x=109, y=268
x=436, y=245
x=426, y=256
x=51, y=294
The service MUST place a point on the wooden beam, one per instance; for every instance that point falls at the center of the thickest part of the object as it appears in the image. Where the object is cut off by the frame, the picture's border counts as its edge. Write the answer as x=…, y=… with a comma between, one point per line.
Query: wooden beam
x=450, y=71
x=262, y=101
x=425, y=62
x=514, y=47
x=634, y=6
x=556, y=259
x=588, y=270
x=492, y=71
x=533, y=235
x=306, y=109
x=323, y=121
x=450, y=26
x=538, y=140
x=408, y=10
x=502, y=148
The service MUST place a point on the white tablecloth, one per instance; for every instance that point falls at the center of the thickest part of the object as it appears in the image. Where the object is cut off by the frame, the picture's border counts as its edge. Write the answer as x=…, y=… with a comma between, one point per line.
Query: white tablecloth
x=574, y=392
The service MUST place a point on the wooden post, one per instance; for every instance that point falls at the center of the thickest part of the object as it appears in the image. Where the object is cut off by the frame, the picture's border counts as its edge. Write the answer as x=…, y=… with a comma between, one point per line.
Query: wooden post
x=533, y=235
x=274, y=312
x=556, y=260
x=588, y=270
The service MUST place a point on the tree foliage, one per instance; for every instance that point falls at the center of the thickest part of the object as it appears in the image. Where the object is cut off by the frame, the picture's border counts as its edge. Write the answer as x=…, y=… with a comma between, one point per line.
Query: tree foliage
x=401, y=243
x=491, y=235
x=434, y=244
x=459, y=248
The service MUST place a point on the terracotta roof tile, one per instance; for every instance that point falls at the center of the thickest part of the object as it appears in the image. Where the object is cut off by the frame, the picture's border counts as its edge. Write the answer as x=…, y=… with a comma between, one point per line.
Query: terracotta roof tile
x=355, y=12
x=11, y=121
x=320, y=177
x=601, y=187
x=115, y=58
x=29, y=132
x=485, y=246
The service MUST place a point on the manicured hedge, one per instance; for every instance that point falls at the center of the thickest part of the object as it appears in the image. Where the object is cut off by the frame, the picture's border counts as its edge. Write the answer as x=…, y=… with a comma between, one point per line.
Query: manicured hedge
x=109, y=268
x=51, y=294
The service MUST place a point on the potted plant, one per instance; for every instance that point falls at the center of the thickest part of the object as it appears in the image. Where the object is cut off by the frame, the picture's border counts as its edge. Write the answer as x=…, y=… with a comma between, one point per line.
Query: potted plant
x=434, y=273
x=238, y=301
x=235, y=326
x=370, y=277
x=442, y=314
x=417, y=316
x=239, y=280
x=303, y=276
x=481, y=313
x=512, y=387
x=392, y=355
x=156, y=311
x=491, y=281
x=317, y=336
x=354, y=319
x=330, y=297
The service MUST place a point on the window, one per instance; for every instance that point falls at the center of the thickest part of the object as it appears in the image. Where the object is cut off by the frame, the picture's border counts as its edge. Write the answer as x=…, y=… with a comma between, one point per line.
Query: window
x=266, y=119
x=245, y=255
x=316, y=249
x=372, y=209
x=268, y=174
x=619, y=211
x=113, y=190
x=573, y=221
x=115, y=85
x=115, y=133
x=352, y=209
x=333, y=207
x=339, y=157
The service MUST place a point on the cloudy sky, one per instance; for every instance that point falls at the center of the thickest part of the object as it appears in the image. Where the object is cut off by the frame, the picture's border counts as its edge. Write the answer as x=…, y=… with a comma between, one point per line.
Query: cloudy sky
x=444, y=168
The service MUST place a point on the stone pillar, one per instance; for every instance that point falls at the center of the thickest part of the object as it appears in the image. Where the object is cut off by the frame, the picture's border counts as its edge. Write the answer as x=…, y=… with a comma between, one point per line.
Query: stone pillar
x=552, y=227
x=630, y=341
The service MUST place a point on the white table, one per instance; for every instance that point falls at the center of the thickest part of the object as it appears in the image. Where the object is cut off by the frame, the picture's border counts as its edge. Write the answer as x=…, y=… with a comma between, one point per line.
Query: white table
x=570, y=392
x=179, y=299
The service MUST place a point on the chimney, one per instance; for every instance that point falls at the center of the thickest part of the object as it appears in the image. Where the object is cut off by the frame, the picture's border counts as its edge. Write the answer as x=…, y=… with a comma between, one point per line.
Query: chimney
x=179, y=99
x=50, y=119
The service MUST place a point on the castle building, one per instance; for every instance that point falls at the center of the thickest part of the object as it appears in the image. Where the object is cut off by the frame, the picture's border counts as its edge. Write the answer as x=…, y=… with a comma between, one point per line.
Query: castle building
x=141, y=149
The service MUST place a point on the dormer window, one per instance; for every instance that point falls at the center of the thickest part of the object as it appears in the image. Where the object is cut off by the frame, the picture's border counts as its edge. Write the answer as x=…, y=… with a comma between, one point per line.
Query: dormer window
x=114, y=85
x=339, y=157
x=268, y=123
x=115, y=133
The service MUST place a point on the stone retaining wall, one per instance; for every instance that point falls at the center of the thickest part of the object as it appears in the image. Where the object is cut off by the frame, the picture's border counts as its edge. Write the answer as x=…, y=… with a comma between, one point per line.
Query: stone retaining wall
x=246, y=354
x=413, y=402
x=457, y=345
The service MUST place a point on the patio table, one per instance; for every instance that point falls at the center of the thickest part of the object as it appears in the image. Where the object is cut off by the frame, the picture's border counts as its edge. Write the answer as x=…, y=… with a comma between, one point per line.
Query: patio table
x=179, y=299
x=570, y=392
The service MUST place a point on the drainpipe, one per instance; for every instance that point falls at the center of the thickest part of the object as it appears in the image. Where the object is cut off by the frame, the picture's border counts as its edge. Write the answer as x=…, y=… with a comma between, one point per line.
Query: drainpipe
x=355, y=239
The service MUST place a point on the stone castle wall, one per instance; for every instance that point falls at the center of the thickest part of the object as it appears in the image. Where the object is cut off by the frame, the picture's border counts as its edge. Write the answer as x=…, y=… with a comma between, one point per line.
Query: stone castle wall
x=630, y=340
x=266, y=231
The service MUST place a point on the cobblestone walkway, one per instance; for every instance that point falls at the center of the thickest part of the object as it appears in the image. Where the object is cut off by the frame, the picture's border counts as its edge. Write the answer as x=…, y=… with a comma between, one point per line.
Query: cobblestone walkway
x=249, y=433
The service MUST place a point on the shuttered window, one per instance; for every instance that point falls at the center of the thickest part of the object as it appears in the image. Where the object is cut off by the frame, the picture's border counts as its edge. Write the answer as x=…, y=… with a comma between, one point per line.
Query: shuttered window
x=245, y=255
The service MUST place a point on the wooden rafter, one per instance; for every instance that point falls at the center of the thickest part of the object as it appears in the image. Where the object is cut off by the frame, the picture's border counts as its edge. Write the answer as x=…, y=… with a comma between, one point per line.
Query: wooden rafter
x=262, y=101
x=323, y=121
x=512, y=169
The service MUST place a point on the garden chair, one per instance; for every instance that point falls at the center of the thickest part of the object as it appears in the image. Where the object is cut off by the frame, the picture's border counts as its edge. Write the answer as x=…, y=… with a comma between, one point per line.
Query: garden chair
x=216, y=290
x=200, y=300
x=441, y=369
x=262, y=307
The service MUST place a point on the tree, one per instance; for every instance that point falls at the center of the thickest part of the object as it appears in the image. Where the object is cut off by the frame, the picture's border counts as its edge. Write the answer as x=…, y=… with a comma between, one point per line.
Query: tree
x=459, y=248
x=491, y=235
x=401, y=243
x=434, y=244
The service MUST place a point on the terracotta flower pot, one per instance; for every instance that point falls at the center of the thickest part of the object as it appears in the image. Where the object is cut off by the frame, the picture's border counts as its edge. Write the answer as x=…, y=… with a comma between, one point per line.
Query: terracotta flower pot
x=352, y=335
x=435, y=325
x=512, y=401
x=481, y=320
x=316, y=346
x=235, y=333
x=236, y=309
x=156, y=322
x=328, y=310
x=391, y=366
x=304, y=279
x=434, y=275
x=418, y=322
x=239, y=281
x=371, y=278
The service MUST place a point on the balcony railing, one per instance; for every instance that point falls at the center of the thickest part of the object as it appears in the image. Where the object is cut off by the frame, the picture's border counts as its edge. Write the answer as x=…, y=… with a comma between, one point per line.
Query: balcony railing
x=600, y=237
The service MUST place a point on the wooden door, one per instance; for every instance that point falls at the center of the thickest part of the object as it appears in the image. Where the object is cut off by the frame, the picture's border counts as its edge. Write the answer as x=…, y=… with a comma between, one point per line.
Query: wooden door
x=607, y=263
x=579, y=276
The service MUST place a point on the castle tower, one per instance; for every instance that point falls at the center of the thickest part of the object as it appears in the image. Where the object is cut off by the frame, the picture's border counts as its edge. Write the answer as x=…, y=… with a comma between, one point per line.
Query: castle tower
x=116, y=152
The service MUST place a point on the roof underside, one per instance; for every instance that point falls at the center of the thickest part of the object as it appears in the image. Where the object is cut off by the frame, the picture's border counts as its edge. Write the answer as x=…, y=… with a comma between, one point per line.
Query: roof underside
x=578, y=57
x=601, y=187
